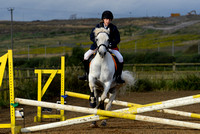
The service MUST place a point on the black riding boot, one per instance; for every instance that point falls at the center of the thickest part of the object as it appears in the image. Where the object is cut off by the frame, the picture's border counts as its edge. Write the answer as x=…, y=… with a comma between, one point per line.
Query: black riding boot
x=86, y=67
x=119, y=72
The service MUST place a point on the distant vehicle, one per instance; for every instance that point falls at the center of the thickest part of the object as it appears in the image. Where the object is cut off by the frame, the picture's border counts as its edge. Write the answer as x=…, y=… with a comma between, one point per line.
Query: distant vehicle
x=193, y=12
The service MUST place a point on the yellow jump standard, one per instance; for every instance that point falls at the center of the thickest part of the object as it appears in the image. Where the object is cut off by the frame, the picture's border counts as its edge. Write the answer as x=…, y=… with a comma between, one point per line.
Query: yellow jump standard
x=3, y=60
x=41, y=91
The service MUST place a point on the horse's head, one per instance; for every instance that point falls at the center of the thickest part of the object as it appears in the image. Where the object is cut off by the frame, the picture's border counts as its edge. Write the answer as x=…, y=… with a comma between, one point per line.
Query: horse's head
x=102, y=40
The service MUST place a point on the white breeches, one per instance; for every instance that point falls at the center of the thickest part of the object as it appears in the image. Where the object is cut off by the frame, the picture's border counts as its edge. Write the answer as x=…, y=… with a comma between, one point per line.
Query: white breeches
x=115, y=52
x=88, y=53
x=118, y=55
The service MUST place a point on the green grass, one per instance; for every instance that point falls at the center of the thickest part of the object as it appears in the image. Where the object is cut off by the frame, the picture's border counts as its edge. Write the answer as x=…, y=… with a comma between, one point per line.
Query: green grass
x=150, y=41
x=47, y=33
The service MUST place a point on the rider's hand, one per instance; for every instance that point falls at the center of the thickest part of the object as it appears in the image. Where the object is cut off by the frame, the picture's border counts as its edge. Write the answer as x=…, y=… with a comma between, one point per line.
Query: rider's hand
x=110, y=45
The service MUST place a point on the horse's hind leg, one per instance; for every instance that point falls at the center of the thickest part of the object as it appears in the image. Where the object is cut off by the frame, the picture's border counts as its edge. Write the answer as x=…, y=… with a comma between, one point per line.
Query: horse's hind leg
x=112, y=96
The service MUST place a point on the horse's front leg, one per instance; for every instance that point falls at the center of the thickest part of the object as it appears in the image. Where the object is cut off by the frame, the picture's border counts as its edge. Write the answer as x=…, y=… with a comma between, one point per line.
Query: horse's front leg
x=112, y=96
x=104, y=95
x=93, y=100
x=93, y=94
x=106, y=89
x=93, y=103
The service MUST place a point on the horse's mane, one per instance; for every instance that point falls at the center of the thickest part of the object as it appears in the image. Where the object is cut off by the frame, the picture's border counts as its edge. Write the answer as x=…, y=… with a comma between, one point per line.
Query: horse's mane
x=101, y=30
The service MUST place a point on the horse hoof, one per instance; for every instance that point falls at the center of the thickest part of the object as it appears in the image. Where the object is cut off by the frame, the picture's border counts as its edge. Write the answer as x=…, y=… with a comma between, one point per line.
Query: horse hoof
x=94, y=125
x=103, y=123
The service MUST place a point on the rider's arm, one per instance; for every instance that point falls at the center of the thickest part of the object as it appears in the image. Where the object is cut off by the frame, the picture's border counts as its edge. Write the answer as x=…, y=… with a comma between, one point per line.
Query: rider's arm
x=92, y=36
x=116, y=38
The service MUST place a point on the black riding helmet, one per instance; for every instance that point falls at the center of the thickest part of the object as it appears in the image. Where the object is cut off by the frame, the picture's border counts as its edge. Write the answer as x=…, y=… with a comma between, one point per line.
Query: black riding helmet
x=107, y=15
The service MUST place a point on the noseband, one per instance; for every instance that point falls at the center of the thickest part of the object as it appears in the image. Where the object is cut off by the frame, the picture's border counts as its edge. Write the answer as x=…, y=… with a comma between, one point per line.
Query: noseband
x=102, y=45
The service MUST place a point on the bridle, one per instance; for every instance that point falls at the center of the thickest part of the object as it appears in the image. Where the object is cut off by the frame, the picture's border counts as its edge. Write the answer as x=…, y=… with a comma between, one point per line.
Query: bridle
x=107, y=49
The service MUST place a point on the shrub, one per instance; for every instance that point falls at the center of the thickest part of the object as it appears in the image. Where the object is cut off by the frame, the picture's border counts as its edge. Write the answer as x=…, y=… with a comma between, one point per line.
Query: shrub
x=155, y=57
x=190, y=82
x=77, y=56
x=143, y=85
x=72, y=82
x=26, y=89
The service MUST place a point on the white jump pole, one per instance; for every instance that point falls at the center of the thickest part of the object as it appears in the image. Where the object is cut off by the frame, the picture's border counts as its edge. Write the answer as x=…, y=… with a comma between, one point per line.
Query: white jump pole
x=122, y=103
x=167, y=104
x=134, y=110
x=91, y=118
x=129, y=104
x=117, y=114
x=68, y=122
x=180, y=113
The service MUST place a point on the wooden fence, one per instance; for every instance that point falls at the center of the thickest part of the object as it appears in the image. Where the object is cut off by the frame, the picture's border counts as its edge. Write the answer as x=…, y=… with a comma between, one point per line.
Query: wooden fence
x=166, y=71
x=152, y=71
x=20, y=75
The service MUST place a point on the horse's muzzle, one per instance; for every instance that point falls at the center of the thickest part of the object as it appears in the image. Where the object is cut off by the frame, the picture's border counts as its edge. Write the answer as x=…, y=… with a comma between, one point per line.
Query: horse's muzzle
x=102, y=54
x=103, y=51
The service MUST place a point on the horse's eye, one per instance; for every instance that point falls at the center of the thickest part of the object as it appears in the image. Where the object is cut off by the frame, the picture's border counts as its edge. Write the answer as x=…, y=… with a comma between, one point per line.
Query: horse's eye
x=96, y=40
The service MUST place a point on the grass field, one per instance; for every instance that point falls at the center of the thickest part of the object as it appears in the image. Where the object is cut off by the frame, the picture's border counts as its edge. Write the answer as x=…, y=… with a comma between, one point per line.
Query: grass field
x=40, y=34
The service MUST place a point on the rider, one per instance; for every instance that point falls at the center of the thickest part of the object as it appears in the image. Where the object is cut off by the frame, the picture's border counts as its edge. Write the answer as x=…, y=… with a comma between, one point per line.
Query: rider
x=114, y=39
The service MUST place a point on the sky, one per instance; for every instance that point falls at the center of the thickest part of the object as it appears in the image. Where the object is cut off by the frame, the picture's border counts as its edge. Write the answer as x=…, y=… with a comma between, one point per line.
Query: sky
x=30, y=10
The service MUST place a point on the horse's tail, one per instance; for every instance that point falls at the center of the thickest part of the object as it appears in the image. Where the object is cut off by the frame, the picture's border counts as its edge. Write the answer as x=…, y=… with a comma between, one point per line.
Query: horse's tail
x=127, y=76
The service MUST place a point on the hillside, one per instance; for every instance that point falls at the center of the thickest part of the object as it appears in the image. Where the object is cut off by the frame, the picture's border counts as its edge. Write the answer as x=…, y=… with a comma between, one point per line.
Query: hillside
x=137, y=34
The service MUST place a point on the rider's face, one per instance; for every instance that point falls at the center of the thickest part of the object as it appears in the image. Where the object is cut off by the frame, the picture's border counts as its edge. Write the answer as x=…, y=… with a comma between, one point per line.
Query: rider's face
x=106, y=21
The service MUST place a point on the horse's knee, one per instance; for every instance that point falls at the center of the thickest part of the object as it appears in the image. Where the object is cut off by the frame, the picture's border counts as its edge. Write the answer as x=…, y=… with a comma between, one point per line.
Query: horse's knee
x=92, y=100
